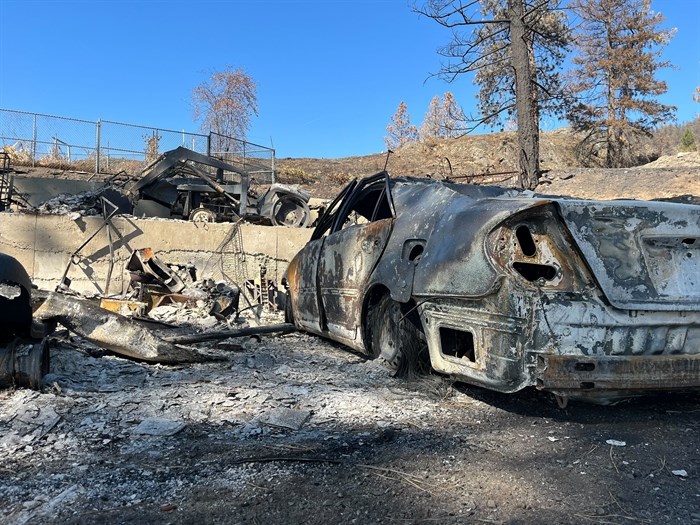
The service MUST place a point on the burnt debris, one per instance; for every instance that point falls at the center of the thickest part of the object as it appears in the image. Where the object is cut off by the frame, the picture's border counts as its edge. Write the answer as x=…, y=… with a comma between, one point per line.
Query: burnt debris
x=15, y=299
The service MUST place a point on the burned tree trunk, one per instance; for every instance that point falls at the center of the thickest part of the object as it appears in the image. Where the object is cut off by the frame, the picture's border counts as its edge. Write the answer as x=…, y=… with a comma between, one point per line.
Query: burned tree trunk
x=526, y=104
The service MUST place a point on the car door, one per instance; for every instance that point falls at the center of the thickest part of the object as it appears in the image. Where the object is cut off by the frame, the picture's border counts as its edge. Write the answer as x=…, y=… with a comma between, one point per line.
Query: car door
x=350, y=253
x=303, y=270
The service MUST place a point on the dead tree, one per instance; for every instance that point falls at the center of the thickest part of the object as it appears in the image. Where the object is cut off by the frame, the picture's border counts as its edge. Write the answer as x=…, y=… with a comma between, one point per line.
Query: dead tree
x=515, y=49
x=443, y=118
x=400, y=130
x=224, y=105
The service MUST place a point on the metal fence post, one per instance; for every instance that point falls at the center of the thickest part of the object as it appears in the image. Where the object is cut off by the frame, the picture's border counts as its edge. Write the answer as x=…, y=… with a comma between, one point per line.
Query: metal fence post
x=273, y=167
x=98, y=125
x=209, y=144
x=34, y=143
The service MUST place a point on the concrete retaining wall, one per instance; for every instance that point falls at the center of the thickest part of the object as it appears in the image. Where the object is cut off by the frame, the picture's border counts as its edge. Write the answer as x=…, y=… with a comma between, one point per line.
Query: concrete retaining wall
x=44, y=244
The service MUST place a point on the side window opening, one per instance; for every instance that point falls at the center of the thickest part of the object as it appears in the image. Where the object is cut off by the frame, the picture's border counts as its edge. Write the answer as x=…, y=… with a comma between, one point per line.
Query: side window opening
x=328, y=219
x=368, y=202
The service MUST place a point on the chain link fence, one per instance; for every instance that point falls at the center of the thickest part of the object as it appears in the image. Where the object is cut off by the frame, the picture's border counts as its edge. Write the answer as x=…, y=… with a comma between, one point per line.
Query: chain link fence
x=33, y=139
x=42, y=140
x=255, y=159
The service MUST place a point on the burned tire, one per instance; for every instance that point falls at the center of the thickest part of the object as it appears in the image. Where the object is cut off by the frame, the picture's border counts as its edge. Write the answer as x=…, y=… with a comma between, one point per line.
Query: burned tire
x=290, y=211
x=202, y=215
x=397, y=339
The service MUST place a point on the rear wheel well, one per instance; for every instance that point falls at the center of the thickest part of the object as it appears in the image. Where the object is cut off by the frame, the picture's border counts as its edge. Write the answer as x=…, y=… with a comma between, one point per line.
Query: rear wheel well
x=371, y=301
x=393, y=333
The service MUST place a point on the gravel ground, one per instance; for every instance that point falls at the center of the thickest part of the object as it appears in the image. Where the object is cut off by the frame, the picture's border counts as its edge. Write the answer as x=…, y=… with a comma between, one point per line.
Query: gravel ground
x=295, y=429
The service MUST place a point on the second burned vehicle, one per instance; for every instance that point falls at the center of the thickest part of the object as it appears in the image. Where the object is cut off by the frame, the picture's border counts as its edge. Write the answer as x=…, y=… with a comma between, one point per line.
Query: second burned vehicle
x=185, y=184
x=505, y=289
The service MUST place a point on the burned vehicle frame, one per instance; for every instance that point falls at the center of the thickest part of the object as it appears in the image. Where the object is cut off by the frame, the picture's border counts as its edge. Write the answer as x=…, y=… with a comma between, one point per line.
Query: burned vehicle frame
x=180, y=184
x=506, y=289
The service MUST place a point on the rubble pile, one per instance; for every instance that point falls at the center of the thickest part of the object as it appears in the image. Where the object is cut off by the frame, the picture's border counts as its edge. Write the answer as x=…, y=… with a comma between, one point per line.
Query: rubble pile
x=84, y=204
x=201, y=305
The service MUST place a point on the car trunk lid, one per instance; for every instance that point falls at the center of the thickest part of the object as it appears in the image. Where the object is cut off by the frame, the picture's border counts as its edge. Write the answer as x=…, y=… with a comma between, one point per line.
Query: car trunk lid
x=644, y=255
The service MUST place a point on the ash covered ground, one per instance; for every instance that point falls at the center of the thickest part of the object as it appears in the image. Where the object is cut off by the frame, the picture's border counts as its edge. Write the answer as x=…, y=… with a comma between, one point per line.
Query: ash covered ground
x=295, y=429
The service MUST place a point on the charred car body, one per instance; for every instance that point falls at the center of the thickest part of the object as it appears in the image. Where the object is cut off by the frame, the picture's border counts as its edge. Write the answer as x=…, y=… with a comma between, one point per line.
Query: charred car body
x=505, y=289
x=179, y=184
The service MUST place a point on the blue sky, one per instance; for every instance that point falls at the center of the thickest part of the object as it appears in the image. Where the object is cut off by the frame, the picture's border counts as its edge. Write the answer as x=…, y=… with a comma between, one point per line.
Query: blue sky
x=329, y=73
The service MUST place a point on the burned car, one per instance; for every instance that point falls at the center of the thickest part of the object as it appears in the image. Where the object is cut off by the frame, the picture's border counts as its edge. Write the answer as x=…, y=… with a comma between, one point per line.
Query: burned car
x=179, y=184
x=507, y=289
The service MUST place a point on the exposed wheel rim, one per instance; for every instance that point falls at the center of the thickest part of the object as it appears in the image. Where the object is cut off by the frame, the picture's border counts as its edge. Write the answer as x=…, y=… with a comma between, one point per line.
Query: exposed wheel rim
x=396, y=340
x=202, y=216
x=387, y=335
x=290, y=212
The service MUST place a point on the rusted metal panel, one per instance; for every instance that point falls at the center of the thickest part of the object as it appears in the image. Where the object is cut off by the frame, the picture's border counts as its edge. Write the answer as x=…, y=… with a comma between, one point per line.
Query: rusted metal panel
x=588, y=327
x=112, y=331
x=562, y=373
x=123, y=306
x=454, y=258
x=301, y=276
x=145, y=267
x=497, y=356
x=532, y=246
x=346, y=262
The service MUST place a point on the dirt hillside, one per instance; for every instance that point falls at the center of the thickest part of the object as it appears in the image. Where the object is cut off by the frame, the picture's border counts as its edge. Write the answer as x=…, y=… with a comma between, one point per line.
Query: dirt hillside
x=491, y=159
